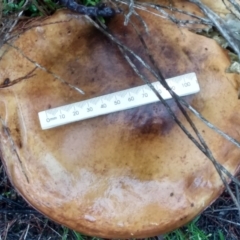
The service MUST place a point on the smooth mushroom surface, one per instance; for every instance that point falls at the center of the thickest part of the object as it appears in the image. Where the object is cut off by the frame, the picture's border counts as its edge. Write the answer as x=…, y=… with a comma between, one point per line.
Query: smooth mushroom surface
x=132, y=173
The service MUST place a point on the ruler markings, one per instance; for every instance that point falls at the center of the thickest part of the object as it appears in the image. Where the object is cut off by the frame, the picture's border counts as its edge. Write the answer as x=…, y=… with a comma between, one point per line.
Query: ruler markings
x=122, y=100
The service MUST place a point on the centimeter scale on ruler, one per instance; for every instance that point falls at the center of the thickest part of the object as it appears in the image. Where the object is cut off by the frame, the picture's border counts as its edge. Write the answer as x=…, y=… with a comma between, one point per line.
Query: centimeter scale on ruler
x=118, y=101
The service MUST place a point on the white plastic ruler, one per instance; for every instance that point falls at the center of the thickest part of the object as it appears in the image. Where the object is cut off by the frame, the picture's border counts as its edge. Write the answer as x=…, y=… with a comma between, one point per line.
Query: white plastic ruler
x=118, y=101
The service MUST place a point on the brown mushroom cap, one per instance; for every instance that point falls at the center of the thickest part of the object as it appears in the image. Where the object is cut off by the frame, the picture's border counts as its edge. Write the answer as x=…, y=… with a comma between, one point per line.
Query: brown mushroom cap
x=217, y=6
x=128, y=174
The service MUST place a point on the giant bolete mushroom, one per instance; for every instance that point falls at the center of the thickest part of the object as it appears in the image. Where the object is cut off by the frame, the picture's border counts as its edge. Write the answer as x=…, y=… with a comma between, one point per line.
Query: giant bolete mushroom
x=132, y=173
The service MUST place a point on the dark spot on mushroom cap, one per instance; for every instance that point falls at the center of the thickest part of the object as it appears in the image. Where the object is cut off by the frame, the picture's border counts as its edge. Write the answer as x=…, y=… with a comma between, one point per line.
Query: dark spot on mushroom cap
x=183, y=218
x=6, y=81
x=151, y=119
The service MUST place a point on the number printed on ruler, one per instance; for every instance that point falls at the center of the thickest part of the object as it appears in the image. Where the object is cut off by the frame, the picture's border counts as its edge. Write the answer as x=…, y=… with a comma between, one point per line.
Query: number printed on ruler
x=133, y=97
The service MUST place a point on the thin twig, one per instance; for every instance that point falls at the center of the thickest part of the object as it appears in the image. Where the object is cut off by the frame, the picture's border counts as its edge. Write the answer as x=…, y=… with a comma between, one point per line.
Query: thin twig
x=45, y=69
x=222, y=219
x=131, y=9
x=204, y=148
x=220, y=25
x=9, y=83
